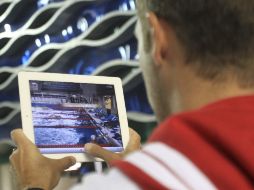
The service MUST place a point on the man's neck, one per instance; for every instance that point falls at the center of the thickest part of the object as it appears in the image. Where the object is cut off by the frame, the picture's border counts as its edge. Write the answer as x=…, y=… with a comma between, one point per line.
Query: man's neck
x=195, y=92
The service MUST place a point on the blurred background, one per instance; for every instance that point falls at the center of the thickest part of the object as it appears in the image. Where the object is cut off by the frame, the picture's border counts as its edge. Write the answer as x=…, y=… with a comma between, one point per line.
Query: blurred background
x=84, y=37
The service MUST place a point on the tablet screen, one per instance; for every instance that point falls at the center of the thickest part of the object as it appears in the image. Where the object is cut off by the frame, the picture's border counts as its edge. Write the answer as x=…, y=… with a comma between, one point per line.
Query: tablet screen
x=68, y=115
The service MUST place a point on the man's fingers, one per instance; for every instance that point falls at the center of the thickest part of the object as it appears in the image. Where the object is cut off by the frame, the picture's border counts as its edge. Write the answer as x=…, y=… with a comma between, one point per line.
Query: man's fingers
x=20, y=138
x=13, y=158
x=65, y=163
x=134, y=135
x=100, y=152
x=134, y=142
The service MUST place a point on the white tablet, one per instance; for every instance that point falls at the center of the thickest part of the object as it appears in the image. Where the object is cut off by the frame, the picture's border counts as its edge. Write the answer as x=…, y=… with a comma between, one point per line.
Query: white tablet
x=62, y=112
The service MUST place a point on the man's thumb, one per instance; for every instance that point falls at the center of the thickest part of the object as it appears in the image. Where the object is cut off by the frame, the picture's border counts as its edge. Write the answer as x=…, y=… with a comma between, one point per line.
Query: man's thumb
x=66, y=162
x=100, y=152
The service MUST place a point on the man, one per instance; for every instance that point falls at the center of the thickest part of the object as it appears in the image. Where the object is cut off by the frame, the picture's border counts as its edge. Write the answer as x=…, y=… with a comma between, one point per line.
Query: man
x=197, y=59
x=108, y=104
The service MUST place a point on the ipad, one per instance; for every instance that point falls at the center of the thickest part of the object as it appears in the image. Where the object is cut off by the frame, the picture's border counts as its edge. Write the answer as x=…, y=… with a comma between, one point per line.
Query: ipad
x=62, y=112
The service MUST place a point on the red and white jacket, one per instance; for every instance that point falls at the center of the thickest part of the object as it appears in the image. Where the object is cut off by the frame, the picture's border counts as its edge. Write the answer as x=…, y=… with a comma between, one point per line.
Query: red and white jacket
x=207, y=149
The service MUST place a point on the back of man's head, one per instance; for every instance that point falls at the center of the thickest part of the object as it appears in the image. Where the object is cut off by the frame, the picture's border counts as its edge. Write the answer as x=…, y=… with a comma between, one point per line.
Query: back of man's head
x=217, y=35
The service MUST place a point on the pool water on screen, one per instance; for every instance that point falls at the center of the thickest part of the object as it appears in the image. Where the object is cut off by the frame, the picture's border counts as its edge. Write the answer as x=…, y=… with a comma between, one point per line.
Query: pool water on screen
x=68, y=115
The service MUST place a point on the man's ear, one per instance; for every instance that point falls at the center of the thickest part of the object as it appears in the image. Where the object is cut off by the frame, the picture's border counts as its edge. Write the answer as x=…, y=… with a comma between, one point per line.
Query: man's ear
x=159, y=34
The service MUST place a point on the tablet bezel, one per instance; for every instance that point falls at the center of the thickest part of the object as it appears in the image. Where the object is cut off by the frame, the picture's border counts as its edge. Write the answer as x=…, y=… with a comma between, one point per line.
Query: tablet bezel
x=26, y=106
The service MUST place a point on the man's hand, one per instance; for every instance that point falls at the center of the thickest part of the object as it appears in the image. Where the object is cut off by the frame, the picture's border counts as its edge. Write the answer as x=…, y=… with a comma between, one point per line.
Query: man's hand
x=97, y=151
x=33, y=169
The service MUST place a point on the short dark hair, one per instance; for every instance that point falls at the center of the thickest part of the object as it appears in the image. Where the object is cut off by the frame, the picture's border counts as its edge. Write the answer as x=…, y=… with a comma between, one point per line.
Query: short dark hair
x=216, y=34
